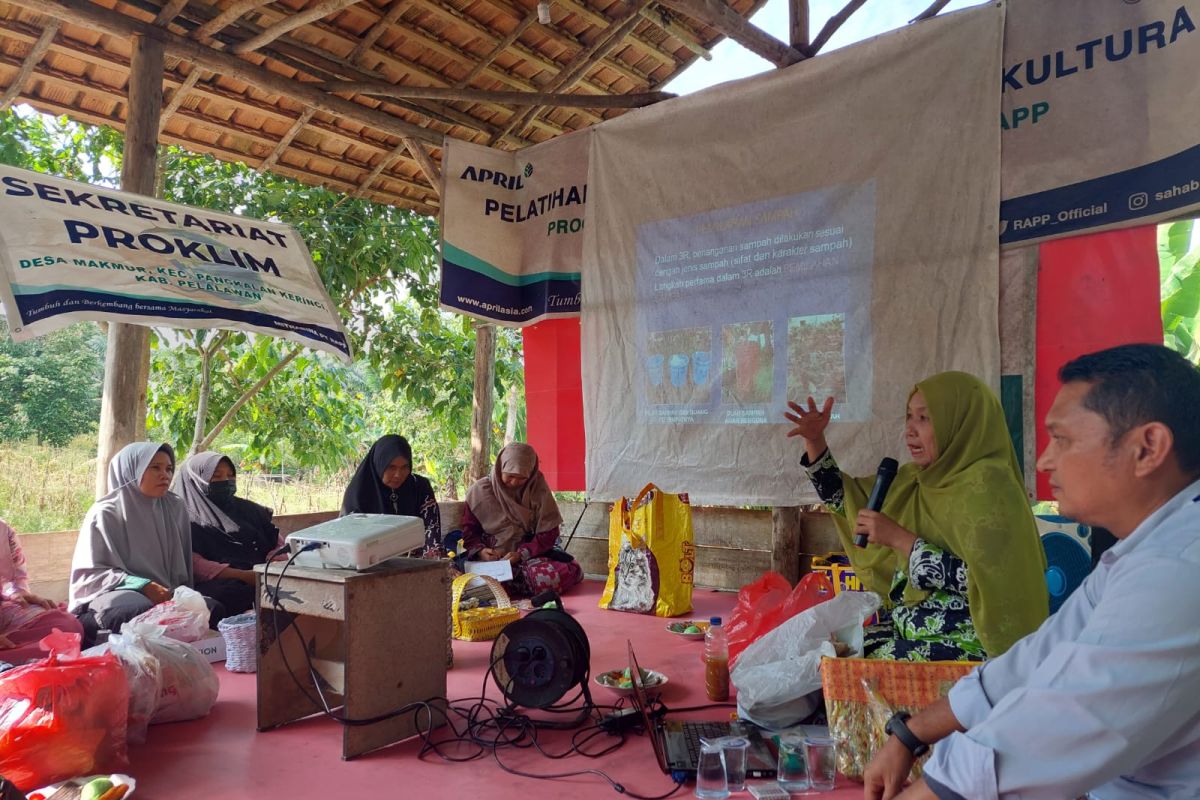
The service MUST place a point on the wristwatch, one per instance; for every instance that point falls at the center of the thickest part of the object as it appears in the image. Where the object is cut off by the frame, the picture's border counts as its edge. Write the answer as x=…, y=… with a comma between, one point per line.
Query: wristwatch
x=898, y=726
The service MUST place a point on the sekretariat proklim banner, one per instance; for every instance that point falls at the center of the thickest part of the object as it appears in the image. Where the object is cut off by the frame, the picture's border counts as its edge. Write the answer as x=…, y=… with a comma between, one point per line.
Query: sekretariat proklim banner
x=1100, y=116
x=72, y=252
x=512, y=230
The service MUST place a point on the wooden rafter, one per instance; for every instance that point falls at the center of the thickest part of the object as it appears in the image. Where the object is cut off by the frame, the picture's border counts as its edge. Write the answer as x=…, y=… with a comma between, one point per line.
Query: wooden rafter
x=500, y=47
x=286, y=141
x=169, y=12
x=372, y=36
x=835, y=22
x=89, y=14
x=384, y=163
x=717, y=14
x=585, y=60
x=322, y=9
x=933, y=10
x=30, y=63
x=383, y=89
x=662, y=18
x=601, y=21
x=178, y=96
x=417, y=151
x=227, y=17
x=799, y=24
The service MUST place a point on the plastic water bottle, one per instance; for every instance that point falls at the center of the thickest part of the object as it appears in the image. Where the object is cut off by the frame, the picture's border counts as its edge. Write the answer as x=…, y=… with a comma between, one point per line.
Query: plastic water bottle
x=716, y=662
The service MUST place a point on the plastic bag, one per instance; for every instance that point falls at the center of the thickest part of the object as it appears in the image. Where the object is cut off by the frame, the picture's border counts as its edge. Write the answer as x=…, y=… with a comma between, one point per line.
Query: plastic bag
x=189, y=685
x=143, y=674
x=767, y=603
x=184, y=617
x=62, y=717
x=778, y=676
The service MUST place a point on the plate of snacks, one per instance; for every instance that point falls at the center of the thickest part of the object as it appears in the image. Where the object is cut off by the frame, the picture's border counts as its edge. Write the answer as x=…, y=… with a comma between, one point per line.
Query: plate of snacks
x=689, y=628
x=620, y=681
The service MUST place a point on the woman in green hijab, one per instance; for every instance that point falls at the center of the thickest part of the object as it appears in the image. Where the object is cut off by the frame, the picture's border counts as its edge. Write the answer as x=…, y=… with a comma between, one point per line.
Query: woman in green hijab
x=954, y=551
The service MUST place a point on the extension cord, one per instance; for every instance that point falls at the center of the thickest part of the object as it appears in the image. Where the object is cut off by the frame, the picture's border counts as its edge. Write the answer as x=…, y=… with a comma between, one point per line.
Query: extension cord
x=621, y=721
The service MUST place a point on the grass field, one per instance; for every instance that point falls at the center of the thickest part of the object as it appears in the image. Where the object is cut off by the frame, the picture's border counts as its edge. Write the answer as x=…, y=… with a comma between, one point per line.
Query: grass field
x=50, y=488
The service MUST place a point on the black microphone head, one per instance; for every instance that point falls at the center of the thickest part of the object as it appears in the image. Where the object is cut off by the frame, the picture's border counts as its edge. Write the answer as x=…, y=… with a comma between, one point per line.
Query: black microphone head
x=889, y=465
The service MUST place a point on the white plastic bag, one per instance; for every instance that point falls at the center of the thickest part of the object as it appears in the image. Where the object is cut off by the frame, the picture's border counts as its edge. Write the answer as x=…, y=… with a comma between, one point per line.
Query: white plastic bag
x=184, y=617
x=189, y=684
x=778, y=676
x=144, y=674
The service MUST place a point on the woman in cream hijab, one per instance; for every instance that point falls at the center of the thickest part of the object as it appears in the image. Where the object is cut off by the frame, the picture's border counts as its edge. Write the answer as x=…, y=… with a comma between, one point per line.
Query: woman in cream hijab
x=512, y=515
x=135, y=545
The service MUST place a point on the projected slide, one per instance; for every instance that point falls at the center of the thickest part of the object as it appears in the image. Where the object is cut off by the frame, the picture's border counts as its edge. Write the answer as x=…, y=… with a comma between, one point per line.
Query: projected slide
x=742, y=308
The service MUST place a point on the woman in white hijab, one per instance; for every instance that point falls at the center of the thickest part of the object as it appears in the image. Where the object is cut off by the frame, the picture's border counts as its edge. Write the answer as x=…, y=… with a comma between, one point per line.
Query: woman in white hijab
x=135, y=545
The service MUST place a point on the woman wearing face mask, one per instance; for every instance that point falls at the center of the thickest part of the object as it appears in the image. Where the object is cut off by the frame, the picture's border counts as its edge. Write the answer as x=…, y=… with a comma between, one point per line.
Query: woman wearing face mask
x=385, y=483
x=954, y=551
x=229, y=534
x=134, y=548
x=512, y=515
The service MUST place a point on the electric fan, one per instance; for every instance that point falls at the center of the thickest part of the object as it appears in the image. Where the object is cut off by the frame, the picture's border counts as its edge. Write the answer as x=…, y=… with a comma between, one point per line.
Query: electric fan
x=539, y=658
x=1068, y=556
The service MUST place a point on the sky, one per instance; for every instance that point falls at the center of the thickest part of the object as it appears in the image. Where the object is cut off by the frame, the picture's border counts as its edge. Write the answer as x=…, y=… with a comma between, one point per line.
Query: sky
x=731, y=61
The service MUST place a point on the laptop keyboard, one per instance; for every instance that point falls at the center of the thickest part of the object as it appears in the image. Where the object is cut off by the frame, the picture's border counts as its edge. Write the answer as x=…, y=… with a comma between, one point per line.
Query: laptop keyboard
x=695, y=731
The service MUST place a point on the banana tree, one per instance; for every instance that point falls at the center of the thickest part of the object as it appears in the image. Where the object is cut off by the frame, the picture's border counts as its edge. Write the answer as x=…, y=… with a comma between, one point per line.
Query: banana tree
x=1179, y=273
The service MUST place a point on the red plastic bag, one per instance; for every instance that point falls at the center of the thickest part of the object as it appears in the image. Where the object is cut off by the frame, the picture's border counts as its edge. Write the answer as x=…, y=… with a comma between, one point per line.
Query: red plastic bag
x=769, y=602
x=62, y=717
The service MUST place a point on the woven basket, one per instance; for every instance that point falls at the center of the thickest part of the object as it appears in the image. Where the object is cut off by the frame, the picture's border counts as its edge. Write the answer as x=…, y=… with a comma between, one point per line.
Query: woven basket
x=480, y=624
x=240, y=634
x=862, y=693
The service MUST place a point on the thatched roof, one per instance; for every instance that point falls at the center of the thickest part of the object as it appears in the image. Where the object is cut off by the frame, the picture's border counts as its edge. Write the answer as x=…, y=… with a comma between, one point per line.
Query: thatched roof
x=357, y=95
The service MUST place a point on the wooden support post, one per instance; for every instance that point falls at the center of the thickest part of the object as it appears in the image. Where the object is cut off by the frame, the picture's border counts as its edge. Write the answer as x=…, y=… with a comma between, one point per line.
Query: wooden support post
x=127, y=359
x=799, y=24
x=481, y=402
x=785, y=542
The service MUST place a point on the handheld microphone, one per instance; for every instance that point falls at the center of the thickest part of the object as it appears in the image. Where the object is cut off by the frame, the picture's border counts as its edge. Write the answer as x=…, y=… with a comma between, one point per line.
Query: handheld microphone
x=883, y=481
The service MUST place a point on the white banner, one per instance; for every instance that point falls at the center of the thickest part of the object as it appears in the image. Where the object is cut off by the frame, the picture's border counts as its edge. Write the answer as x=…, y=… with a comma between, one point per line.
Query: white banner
x=72, y=252
x=1100, y=115
x=512, y=230
x=829, y=229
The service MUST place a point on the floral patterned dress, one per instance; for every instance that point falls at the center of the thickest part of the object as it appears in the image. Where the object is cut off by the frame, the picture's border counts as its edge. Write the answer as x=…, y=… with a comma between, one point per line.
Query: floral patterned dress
x=939, y=628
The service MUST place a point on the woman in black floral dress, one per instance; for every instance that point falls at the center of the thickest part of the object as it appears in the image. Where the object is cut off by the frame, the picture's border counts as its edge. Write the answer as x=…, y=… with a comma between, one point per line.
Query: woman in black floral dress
x=955, y=551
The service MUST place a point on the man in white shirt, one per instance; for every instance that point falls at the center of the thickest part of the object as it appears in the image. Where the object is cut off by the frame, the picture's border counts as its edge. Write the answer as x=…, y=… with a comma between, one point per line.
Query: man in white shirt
x=1104, y=698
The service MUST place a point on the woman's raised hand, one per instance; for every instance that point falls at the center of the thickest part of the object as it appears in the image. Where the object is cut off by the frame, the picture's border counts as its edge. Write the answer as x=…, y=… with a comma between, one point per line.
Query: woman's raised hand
x=810, y=422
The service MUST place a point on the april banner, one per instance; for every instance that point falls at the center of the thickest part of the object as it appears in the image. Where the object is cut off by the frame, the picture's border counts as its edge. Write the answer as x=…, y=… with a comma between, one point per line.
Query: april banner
x=512, y=231
x=1100, y=115
x=71, y=252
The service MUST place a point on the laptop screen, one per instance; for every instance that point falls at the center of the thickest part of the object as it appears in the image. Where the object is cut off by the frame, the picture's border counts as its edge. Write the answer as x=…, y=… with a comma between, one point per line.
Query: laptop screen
x=642, y=704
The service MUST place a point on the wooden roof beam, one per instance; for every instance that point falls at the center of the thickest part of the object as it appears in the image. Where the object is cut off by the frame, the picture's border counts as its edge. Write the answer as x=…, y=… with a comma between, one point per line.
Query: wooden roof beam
x=799, y=24
x=385, y=89
x=499, y=48
x=178, y=96
x=383, y=164
x=835, y=22
x=933, y=10
x=227, y=17
x=84, y=12
x=662, y=18
x=283, y=144
x=585, y=60
x=601, y=21
x=32, y=58
x=321, y=10
x=169, y=12
x=372, y=36
x=716, y=14
x=417, y=151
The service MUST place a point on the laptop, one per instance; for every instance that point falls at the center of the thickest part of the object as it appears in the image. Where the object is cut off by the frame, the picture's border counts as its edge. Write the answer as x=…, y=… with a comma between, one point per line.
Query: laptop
x=677, y=744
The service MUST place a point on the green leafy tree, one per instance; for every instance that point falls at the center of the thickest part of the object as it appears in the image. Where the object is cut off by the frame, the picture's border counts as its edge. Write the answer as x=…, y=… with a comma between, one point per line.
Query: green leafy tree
x=50, y=386
x=1179, y=273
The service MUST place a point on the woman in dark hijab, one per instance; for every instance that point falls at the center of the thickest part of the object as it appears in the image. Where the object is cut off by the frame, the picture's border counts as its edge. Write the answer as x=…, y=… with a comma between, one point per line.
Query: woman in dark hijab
x=384, y=483
x=229, y=534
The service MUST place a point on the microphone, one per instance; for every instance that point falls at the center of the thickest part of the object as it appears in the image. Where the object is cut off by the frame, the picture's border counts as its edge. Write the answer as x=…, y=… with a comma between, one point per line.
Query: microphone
x=883, y=481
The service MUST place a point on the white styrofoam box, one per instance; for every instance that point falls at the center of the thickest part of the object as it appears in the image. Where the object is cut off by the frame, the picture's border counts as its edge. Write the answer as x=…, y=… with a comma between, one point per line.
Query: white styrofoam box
x=212, y=646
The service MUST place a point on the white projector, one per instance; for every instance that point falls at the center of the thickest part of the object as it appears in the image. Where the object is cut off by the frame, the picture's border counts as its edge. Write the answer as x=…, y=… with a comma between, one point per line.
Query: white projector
x=358, y=541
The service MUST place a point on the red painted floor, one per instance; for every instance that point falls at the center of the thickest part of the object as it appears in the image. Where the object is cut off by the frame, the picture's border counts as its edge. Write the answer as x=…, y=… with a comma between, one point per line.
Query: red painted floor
x=222, y=756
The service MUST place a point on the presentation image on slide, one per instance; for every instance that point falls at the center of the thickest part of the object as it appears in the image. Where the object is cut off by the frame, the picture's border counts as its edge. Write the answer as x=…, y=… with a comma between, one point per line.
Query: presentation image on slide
x=768, y=302
x=747, y=367
x=816, y=358
x=678, y=367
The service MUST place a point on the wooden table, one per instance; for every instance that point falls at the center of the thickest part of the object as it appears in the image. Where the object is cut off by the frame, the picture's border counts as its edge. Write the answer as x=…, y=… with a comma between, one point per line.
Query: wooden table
x=376, y=639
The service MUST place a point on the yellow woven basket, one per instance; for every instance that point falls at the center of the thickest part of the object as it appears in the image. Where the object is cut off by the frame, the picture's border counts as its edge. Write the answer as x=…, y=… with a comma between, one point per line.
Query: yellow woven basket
x=480, y=624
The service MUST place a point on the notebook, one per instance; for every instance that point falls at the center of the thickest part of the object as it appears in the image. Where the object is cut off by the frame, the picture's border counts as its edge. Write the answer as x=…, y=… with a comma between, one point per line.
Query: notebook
x=677, y=743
